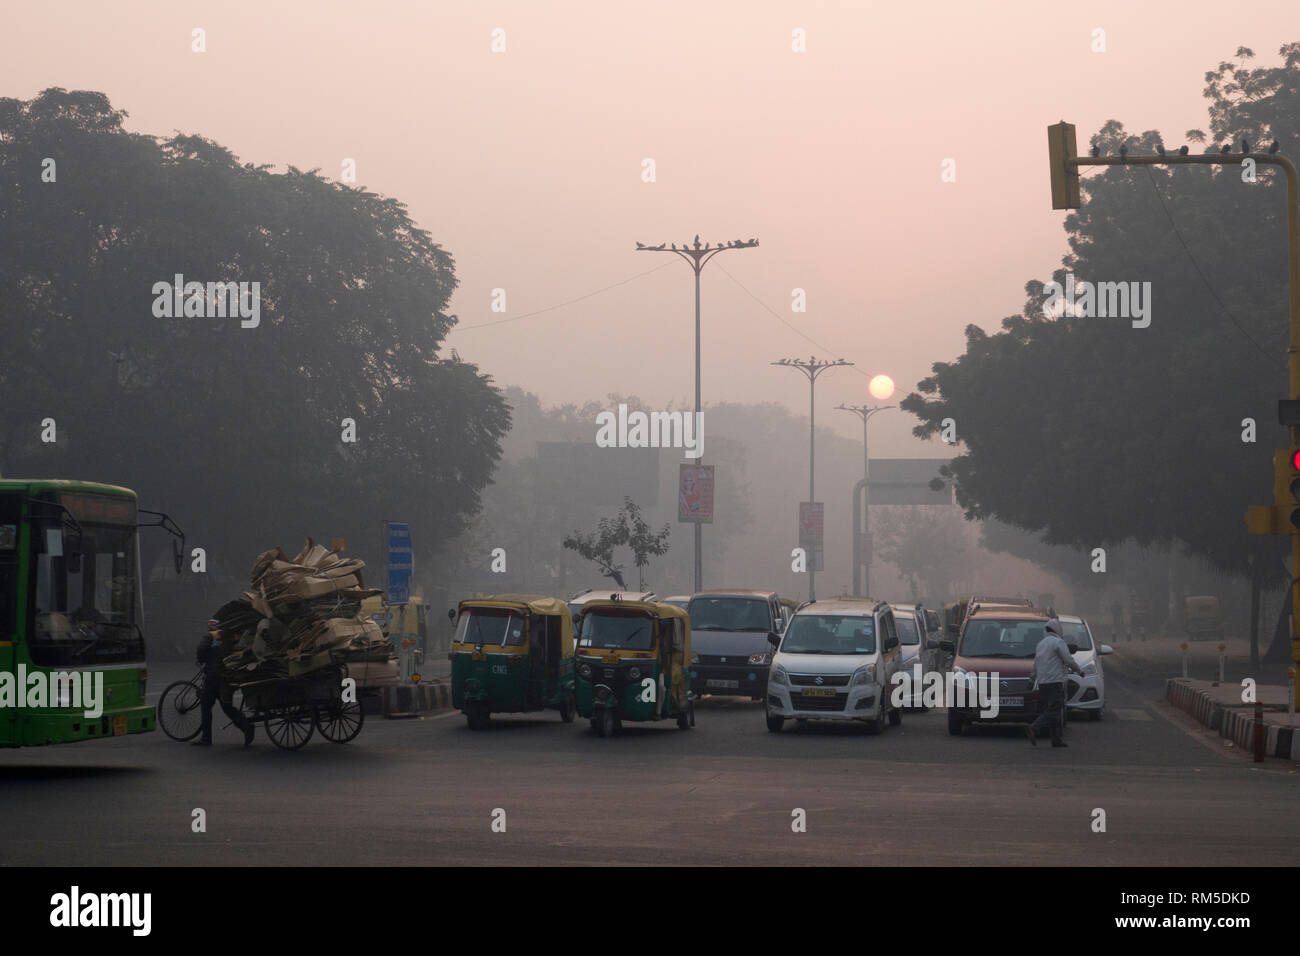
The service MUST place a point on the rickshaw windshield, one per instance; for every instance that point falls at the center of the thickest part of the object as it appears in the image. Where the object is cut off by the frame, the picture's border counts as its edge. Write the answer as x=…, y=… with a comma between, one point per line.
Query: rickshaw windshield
x=610, y=628
x=491, y=625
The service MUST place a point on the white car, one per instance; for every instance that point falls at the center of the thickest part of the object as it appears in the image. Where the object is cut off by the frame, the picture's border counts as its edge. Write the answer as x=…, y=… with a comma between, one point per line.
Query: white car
x=1086, y=694
x=835, y=661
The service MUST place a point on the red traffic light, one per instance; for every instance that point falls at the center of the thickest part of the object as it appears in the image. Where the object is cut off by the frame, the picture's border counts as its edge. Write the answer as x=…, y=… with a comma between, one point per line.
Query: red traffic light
x=1295, y=459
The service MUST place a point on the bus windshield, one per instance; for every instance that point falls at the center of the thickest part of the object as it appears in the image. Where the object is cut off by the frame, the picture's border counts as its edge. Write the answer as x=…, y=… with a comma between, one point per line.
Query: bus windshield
x=87, y=608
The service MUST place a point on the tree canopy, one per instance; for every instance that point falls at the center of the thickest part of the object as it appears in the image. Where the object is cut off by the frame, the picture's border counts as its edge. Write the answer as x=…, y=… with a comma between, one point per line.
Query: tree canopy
x=1094, y=432
x=239, y=432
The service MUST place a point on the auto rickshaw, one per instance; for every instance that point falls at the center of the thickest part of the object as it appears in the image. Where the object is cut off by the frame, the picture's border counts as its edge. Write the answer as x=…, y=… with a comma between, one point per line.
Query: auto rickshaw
x=512, y=653
x=633, y=663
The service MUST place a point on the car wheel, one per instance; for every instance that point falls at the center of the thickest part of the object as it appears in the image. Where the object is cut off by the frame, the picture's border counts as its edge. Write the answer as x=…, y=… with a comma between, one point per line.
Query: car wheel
x=955, y=723
x=775, y=724
x=874, y=727
x=895, y=716
x=1095, y=715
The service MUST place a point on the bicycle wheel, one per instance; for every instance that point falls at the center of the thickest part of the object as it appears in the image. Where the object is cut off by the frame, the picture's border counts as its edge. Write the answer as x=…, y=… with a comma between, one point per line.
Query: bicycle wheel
x=290, y=727
x=338, y=721
x=179, y=712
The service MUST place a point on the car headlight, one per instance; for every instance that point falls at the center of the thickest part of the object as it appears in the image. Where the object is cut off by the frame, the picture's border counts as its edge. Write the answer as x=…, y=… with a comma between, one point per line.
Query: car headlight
x=864, y=675
x=585, y=670
x=758, y=658
x=634, y=673
x=778, y=676
x=1090, y=669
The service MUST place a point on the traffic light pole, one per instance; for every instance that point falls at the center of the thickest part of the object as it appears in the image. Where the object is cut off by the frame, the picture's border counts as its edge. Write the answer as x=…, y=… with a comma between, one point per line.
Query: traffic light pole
x=1065, y=195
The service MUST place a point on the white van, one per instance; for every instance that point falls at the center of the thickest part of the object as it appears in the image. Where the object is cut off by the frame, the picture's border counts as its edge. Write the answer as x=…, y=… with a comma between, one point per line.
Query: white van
x=835, y=661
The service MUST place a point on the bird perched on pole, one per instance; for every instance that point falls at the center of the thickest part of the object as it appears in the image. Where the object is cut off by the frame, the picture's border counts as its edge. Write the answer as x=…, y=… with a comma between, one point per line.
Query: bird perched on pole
x=1161, y=150
x=1274, y=148
x=1096, y=151
x=1182, y=150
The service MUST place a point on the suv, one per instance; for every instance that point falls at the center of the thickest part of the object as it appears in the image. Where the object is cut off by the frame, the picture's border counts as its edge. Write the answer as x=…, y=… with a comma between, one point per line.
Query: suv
x=836, y=661
x=731, y=634
x=997, y=639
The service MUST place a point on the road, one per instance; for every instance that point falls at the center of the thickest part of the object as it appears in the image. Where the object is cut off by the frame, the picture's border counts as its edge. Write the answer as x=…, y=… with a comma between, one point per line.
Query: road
x=424, y=791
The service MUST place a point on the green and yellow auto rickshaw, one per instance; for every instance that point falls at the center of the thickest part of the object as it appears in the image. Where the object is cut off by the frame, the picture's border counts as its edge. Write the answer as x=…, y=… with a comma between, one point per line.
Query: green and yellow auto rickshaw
x=512, y=653
x=634, y=660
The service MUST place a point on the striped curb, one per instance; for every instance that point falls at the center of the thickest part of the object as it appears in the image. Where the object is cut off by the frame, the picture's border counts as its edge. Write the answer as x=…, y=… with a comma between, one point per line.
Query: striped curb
x=1232, y=723
x=410, y=700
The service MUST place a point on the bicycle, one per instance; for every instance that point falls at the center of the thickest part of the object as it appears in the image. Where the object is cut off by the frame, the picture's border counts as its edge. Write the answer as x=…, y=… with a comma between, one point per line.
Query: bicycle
x=180, y=713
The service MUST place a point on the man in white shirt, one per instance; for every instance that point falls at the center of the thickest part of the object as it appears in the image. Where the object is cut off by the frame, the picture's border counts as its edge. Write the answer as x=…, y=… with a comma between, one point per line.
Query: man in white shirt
x=1052, y=660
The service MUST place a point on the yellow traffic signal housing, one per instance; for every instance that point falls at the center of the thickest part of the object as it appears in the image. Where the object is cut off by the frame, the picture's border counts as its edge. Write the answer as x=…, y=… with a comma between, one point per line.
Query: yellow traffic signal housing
x=1061, y=147
x=1283, y=516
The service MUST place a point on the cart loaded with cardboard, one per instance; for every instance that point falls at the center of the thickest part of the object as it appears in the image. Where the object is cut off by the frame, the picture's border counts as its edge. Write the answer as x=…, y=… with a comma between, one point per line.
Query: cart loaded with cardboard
x=300, y=651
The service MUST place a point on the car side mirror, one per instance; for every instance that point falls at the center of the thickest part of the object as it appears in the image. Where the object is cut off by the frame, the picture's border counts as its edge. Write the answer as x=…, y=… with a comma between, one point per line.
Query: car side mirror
x=451, y=615
x=773, y=638
x=948, y=646
x=1105, y=649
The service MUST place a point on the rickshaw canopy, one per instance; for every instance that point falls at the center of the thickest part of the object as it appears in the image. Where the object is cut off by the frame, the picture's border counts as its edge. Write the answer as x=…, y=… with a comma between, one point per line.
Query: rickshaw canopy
x=529, y=603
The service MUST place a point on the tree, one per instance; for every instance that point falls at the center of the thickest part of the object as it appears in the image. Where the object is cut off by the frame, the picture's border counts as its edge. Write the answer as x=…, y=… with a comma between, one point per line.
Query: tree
x=239, y=432
x=626, y=529
x=1094, y=432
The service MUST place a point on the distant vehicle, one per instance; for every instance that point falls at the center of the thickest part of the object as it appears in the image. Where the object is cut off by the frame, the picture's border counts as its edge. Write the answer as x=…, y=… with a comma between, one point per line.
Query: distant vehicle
x=591, y=594
x=918, y=644
x=1085, y=694
x=1201, y=618
x=835, y=661
x=730, y=633
x=677, y=600
x=998, y=639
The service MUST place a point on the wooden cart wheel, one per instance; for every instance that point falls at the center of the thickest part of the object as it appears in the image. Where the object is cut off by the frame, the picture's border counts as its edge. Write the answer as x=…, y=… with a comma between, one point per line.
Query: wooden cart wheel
x=292, y=726
x=340, y=721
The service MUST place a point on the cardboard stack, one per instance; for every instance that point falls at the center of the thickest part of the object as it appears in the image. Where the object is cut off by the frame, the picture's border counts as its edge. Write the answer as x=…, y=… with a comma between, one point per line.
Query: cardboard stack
x=304, y=614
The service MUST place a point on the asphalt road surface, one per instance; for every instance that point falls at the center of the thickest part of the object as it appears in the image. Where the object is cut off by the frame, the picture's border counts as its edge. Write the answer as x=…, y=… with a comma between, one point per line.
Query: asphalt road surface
x=424, y=791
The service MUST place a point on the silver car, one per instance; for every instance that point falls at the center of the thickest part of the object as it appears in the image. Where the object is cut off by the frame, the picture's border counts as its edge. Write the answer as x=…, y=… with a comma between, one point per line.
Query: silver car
x=918, y=645
x=1086, y=694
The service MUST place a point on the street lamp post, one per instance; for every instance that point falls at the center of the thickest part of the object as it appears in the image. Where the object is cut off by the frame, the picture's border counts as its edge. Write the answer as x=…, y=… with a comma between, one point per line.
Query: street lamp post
x=865, y=413
x=811, y=367
x=696, y=256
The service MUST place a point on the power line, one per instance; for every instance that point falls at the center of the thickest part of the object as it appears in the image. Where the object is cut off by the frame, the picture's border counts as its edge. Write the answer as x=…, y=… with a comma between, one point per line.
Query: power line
x=560, y=305
x=780, y=318
x=1195, y=265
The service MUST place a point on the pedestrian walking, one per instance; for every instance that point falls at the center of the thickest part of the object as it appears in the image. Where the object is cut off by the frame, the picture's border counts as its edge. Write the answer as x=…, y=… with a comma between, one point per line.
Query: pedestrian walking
x=1052, y=661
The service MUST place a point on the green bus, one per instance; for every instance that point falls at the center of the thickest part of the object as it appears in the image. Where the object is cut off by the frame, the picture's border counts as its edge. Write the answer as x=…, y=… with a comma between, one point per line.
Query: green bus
x=72, y=662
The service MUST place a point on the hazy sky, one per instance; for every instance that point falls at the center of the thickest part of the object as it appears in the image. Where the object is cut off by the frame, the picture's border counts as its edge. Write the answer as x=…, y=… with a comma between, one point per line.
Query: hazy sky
x=527, y=165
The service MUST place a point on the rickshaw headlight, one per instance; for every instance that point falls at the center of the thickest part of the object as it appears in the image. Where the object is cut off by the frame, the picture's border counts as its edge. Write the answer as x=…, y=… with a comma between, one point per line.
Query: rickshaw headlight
x=695, y=658
x=634, y=673
x=585, y=670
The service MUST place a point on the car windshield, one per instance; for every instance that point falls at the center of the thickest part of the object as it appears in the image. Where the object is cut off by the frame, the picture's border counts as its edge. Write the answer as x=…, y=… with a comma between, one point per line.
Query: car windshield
x=830, y=634
x=612, y=628
x=986, y=637
x=730, y=614
x=502, y=626
x=1077, y=634
x=86, y=601
x=905, y=624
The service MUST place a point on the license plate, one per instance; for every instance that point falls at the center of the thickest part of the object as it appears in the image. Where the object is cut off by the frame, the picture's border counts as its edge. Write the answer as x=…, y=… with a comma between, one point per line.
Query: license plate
x=722, y=683
x=819, y=692
x=119, y=725
x=1011, y=702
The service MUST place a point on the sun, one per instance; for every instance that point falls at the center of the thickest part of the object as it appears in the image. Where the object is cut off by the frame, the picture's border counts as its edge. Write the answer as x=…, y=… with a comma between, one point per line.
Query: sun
x=881, y=387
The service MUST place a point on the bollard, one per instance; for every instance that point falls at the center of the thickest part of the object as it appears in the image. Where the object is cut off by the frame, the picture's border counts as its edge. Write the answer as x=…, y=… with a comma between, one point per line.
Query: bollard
x=1220, y=680
x=1259, y=730
x=1184, y=647
x=1290, y=704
